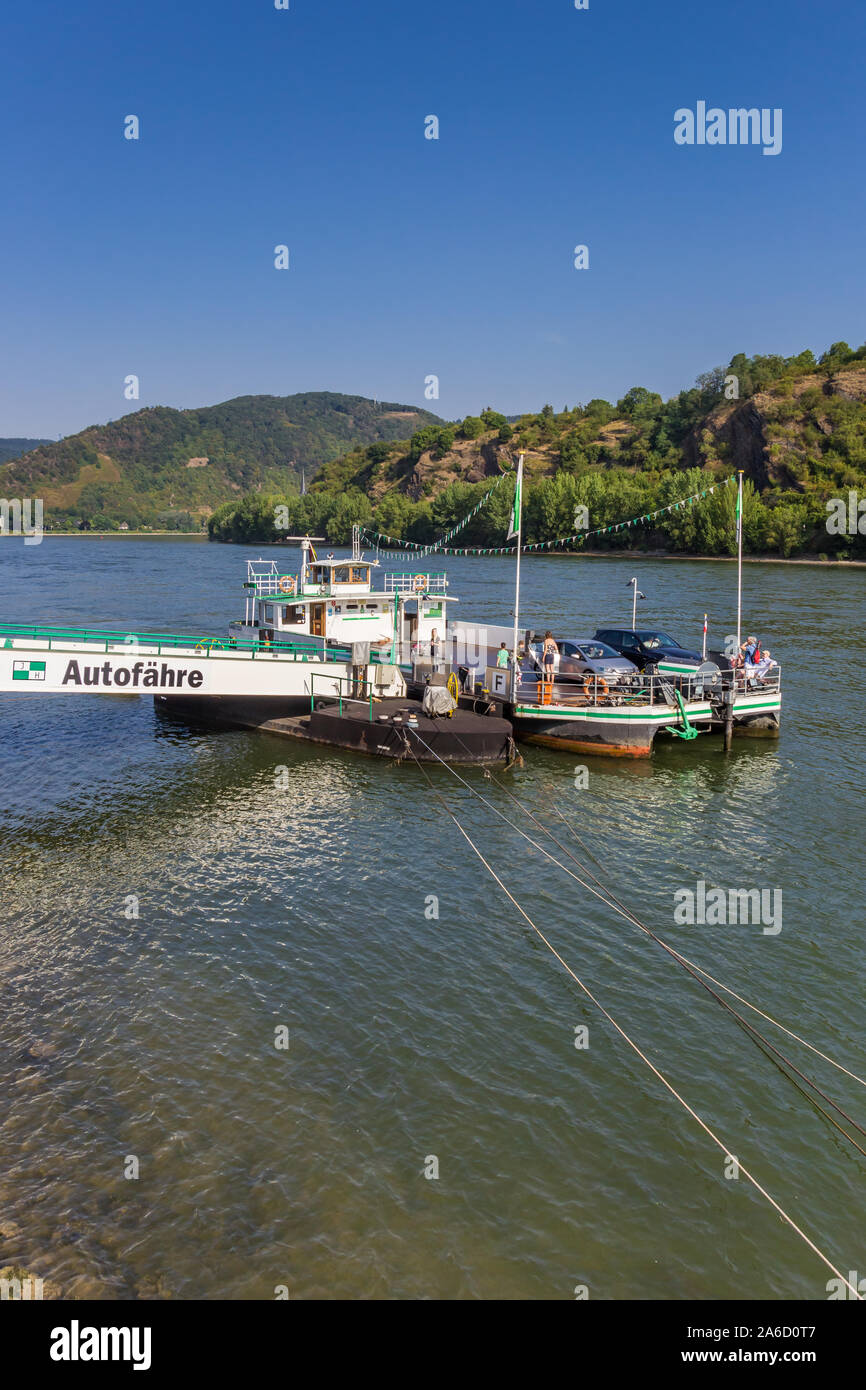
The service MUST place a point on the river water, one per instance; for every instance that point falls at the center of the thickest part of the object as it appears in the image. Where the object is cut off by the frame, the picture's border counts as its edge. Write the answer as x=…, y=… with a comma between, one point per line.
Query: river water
x=304, y=900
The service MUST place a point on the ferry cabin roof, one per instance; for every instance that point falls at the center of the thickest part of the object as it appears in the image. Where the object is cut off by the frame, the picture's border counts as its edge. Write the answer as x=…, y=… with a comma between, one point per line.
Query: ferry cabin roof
x=334, y=600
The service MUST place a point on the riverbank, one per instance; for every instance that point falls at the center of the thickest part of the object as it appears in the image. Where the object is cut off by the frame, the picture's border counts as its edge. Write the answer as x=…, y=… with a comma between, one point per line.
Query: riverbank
x=547, y=555
x=609, y=555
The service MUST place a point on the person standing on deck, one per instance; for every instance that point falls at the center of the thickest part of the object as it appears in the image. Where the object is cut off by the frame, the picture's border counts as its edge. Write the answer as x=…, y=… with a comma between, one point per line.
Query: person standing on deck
x=502, y=656
x=549, y=653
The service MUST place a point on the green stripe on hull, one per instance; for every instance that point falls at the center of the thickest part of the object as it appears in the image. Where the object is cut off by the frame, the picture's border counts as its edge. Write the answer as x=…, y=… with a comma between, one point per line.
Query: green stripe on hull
x=619, y=715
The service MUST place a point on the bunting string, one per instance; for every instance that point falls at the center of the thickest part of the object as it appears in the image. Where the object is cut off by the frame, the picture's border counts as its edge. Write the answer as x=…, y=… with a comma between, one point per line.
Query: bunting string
x=376, y=538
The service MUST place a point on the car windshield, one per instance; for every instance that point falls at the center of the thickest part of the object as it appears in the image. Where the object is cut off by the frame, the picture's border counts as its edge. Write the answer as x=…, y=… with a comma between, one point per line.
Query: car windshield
x=657, y=639
x=596, y=650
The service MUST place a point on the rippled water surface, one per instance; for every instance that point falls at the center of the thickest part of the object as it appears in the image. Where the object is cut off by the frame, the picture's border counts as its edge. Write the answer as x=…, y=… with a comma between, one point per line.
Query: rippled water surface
x=303, y=905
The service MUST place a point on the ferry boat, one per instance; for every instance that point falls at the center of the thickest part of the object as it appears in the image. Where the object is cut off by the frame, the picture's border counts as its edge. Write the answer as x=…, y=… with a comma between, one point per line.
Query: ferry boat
x=303, y=637
x=327, y=634
x=623, y=714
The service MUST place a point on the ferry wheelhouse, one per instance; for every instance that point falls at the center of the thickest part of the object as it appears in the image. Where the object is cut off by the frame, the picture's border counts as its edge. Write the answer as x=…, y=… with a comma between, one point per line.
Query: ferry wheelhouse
x=332, y=607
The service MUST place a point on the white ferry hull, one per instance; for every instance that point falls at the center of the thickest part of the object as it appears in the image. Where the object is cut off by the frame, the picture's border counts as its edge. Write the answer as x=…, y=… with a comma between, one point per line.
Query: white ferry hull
x=611, y=732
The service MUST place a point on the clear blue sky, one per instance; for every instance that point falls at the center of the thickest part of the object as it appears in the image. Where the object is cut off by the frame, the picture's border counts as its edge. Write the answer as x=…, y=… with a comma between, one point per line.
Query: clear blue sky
x=409, y=256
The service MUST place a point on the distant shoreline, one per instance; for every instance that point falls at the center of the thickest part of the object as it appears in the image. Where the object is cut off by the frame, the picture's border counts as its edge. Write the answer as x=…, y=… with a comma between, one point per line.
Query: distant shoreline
x=553, y=554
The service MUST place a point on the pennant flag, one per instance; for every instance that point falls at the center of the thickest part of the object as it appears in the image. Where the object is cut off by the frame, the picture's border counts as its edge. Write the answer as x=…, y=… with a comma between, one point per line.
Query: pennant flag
x=739, y=514
x=518, y=502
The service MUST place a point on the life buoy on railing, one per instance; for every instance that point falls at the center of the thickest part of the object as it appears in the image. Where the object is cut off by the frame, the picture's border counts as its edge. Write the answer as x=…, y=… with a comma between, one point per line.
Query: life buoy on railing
x=420, y=583
x=596, y=684
x=208, y=644
x=452, y=686
x=287, y=584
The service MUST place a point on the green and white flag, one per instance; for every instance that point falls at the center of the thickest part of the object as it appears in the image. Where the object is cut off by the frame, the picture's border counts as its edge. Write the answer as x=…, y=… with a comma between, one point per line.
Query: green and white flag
x=739, y=511
x=28, y=670
x=518, y=502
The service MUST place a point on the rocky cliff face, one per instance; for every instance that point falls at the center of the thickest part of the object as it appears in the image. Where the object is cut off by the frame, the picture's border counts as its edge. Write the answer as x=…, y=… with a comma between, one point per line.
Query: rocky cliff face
x=770, y=435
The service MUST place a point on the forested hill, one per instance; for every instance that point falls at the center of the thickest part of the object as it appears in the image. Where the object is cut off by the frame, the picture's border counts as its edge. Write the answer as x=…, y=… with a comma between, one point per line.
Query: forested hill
x=796, y=426
x=170, y=468
x=14, y=448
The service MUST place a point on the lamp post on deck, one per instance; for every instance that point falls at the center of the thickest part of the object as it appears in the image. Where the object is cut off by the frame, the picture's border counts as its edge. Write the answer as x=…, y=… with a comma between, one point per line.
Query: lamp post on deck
x=632, y=584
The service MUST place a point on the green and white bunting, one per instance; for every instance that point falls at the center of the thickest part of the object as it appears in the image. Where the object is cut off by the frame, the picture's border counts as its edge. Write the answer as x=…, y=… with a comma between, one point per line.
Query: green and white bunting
x=441, y=546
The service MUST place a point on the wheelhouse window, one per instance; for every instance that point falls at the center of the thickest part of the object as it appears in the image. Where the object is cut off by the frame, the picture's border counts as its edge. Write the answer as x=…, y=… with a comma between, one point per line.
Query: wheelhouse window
x=360, y=574
x=294, y=614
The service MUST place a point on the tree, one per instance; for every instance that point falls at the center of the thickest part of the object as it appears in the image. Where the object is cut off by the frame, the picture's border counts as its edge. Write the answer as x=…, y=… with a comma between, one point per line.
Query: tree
x=639, y=403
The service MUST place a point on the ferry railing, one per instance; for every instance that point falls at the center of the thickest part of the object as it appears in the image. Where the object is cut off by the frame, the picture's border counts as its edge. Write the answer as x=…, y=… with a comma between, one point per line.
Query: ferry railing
x=340, y=681
x=642, y=688
x=270, y=585
x=60, y=638
x=595, y=691
x=416, y=582
x=746, y=683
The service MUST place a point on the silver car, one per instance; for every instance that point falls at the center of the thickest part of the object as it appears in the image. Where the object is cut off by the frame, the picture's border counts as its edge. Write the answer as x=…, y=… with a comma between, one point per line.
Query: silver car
x=584, y=656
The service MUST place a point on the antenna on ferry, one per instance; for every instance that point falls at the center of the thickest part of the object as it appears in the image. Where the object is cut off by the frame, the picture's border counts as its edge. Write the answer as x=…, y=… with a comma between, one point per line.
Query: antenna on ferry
x=306, y=545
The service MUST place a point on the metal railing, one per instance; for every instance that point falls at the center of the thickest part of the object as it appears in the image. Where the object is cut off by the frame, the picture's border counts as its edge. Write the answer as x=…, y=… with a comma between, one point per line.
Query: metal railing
x=60, y=638
x=639, y=689
x=269, y=585
x=410, y=582
x=340, y=698
x=598, y=692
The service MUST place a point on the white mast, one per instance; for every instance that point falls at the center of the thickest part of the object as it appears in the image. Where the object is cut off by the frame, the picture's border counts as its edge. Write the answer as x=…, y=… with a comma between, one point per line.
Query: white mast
x=739, y=560
x=517, y=529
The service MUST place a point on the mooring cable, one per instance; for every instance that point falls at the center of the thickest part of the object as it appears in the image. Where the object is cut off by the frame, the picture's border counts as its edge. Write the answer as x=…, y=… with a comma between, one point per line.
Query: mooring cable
x=633, y=1045
x=625, y=911
x=610, y=901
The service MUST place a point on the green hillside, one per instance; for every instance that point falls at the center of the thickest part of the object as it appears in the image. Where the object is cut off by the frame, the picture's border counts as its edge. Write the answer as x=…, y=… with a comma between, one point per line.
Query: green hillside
x=170, y=468
x=14, y=448
x=796, y=426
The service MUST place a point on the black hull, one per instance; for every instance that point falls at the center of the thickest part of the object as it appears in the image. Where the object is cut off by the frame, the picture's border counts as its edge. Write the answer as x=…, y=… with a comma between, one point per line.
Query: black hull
x=465, y=737
x=247, y=711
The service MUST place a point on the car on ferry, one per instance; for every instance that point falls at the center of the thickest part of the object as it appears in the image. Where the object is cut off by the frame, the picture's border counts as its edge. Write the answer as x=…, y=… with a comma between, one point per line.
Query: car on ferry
x=583, y=656
x=647, y=647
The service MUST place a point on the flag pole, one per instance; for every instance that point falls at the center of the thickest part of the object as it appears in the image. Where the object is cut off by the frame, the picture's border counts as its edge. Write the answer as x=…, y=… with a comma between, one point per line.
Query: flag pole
x=704, y=649
x=518, y=507
x=739, y=560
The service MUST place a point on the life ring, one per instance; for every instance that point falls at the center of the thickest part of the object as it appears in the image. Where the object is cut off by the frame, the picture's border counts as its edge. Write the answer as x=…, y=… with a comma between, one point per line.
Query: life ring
x=452, y=686
x=601, y=686
x=420, y=583
x=287, y=584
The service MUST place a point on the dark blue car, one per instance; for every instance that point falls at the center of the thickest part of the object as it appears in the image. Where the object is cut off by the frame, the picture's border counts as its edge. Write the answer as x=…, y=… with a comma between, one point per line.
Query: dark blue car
x=647, y=646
